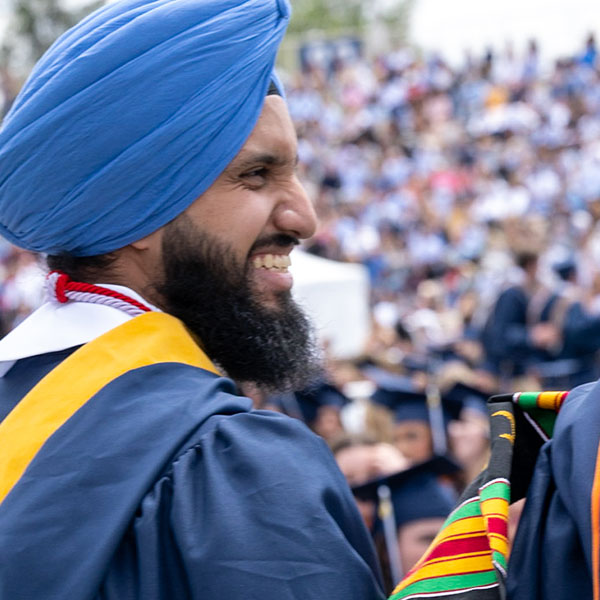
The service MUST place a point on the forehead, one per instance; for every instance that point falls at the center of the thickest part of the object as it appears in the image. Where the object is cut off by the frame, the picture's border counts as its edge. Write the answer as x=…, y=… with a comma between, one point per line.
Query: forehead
x=354, y=457
x=273, y=132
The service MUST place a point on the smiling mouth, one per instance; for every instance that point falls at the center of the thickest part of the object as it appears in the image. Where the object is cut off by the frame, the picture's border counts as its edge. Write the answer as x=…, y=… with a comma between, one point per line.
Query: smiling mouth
x=272, y=262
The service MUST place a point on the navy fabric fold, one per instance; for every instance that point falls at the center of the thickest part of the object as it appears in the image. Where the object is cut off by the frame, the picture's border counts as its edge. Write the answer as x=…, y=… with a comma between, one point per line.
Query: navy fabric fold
x=551, y=558
x=166, y=485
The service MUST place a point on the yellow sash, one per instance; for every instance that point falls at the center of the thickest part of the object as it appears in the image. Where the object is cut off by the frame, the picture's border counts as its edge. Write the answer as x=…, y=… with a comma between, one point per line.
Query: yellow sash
x=145, y=340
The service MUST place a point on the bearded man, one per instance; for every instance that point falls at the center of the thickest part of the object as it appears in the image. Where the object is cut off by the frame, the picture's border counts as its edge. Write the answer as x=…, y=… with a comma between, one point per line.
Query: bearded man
x=151, y=157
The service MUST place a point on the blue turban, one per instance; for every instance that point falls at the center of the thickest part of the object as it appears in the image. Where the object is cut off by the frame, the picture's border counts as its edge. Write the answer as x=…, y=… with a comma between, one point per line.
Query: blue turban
x=130, y=116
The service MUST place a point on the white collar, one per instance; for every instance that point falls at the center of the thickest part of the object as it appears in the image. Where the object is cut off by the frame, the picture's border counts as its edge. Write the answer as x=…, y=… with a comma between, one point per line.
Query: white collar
x=54, y=327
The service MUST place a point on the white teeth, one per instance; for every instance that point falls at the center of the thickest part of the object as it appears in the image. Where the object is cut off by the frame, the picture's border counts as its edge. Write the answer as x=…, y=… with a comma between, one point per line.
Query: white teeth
x=274, y=262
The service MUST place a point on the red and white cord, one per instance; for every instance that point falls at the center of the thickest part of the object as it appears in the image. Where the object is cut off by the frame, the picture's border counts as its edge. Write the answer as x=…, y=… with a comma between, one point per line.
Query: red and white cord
x=61, y=289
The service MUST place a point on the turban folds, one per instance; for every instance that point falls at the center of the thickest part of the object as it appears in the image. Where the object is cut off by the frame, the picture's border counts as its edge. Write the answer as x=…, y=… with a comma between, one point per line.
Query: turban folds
x=130, y=116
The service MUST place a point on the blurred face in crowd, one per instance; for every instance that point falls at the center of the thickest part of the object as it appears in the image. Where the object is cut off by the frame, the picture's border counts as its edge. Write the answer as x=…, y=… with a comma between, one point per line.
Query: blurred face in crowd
x=469, y=438
x=413, y=439
x=357, y=465
x=364, y=462
x=415, y=537
x=328, y=423
x=225, y=260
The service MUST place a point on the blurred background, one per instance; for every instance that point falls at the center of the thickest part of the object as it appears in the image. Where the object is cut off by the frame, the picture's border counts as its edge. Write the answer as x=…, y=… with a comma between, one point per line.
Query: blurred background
x=452, y=150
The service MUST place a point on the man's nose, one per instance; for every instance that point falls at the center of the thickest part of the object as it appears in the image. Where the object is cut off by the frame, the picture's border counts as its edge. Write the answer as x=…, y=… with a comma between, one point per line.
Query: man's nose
x=295, y=213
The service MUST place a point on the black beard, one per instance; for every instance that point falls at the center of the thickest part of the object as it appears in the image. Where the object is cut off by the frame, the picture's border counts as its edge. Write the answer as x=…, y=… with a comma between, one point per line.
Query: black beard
x=205, y=287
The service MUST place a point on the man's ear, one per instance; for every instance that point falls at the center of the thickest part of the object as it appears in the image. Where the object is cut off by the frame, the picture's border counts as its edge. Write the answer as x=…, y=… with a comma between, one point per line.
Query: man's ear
x=148, y=242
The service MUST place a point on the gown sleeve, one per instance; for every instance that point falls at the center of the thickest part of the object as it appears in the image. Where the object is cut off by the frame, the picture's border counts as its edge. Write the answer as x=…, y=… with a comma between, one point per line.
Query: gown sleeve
x=255, y=509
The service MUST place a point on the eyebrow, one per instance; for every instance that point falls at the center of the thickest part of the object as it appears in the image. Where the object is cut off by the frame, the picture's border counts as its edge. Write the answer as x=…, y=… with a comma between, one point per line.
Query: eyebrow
x=247, y=160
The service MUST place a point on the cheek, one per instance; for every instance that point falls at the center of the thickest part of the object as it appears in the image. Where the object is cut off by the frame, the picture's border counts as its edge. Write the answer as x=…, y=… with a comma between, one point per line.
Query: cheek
x=413, y=439
x=237, y=217
x=411, y=549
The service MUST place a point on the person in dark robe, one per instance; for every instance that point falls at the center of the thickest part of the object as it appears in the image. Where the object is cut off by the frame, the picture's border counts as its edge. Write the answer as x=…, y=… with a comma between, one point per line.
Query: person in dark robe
x=421, y=497
x=506, y=336
x=420, y=419
x=319, y=405
x=572, y=334
x=151, y=157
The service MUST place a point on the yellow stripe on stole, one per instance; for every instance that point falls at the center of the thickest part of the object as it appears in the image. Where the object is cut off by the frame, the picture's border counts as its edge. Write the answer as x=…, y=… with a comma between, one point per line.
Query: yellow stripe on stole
x=148, y=339
x=466, y=527
x=550, y=400
x=498, y=543
x=495, y=506
x=480, y=562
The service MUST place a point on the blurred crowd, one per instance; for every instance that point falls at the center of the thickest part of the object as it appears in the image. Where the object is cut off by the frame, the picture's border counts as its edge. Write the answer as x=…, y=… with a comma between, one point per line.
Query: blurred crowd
x=472, y=196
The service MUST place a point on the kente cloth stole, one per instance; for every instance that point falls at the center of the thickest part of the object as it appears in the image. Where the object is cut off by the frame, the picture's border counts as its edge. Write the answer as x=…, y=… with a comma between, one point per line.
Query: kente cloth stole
x=145, y=340
x=467, y=560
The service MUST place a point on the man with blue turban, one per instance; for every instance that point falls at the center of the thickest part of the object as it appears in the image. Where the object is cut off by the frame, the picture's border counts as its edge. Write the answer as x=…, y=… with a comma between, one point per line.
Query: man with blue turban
x=150, y=156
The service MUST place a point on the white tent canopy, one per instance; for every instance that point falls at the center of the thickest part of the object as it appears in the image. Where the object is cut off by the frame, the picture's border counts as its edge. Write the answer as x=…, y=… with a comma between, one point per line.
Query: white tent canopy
x=336, y=297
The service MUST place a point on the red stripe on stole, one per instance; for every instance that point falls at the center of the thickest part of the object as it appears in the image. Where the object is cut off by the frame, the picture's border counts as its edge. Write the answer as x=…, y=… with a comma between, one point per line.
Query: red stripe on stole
x=452, y=548
x=497, y=525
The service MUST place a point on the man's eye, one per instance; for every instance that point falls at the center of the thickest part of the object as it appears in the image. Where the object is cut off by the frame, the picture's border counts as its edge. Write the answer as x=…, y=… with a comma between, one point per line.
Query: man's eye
x=260, y=172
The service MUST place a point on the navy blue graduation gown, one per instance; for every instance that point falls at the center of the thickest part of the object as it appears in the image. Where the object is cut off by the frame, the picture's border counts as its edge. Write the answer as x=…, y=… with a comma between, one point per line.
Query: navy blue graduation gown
x=556, y=551
x=166, y=485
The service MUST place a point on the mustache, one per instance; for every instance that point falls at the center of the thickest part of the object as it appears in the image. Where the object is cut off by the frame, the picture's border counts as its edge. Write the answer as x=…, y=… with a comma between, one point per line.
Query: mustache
x=281, y=240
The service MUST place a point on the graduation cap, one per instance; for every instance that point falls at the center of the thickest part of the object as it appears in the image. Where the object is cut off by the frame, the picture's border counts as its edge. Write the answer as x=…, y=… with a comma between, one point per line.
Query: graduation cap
x=308, y=401
x=405, y=404
x=467, y=396
x=431, y=407
x=407, y=496
x=412, y=405
x=390, y=386
x=387, y=380
x=416, y=492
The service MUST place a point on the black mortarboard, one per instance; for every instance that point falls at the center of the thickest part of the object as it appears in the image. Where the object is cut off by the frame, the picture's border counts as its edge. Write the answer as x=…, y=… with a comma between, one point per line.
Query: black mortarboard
x=436, y=410
x=467, y=396
x=416, y=492
x=322, y=394
x=406, y=405
x=388, y=380
x=411, y=405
